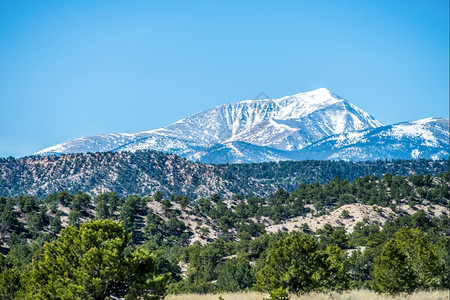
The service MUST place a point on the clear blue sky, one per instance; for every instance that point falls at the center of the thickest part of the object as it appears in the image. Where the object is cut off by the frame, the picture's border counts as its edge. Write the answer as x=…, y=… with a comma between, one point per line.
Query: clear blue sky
x=75, y=68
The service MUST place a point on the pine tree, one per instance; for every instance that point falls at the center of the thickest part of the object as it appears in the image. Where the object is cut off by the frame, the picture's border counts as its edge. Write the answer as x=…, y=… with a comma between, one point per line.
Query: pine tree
x=407, y=262
x=90, y=263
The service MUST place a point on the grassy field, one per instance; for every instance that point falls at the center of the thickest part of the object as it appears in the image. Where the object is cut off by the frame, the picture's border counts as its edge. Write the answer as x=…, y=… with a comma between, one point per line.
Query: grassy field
x=352, y=295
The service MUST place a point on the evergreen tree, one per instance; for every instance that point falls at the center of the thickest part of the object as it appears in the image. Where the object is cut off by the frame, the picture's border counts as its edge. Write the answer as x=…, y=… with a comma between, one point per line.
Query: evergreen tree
x=236, y=275
x=90, y=263
x=407, y=263
x=298, y=264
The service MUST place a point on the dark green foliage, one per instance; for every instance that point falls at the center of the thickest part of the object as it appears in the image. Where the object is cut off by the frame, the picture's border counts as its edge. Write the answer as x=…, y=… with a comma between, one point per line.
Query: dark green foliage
x=166, y=204
x=26, y=204
x=106, y=205
x=64, y=198
x=165, y=265
x=90, y=263
x=129, y=212
x=157, y=196
x=333, y=236
x=443, y=257
x=232, y=266
x=297, y=263
x=9, y=279
x=75, y=218
x=203, y=264
x=36, y=222
x=361, y=266
x=235, y=275
x=55, y=224
x=81, y=201
x=407, y=262
x=153, y=223
x=174, y=227
x=8, y=216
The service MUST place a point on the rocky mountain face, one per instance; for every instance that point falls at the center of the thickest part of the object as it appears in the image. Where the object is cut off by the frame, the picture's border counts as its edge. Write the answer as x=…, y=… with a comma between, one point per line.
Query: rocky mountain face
x=316, y=124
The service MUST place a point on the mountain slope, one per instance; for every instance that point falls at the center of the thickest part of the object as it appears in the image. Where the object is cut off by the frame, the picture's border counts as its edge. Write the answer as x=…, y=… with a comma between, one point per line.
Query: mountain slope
x=425, y=138
x=288, y=123
x=238, y=152
x=297, y=126
x=144, y=172
x=94, y=143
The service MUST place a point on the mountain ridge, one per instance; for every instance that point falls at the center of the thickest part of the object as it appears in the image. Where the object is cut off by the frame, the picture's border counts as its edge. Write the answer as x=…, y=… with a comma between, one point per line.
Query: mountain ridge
x=424, y=138
x=145, y=172
x=286, y=128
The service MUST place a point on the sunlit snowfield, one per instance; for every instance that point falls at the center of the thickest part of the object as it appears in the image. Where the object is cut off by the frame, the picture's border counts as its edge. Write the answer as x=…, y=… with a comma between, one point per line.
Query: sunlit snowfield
x=352, y=295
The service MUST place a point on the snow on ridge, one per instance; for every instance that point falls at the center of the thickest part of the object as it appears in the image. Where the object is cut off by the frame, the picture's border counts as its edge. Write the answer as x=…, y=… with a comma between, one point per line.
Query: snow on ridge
x=275, y=124
x=350, y=138
x=267, y=129
x=373, y=122
x=313, y=96
x=93, y=143
x=297, y=107
x=428, y=120
x=416, y=129
x=235, y=149
x=317, y=96
x=227, y=122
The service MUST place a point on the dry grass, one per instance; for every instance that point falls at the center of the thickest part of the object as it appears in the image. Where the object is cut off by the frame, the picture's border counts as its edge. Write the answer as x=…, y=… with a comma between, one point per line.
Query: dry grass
x=352, y=295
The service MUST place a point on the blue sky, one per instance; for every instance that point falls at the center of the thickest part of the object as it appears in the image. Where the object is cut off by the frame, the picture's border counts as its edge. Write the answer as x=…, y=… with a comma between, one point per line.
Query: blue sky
x=75, y=68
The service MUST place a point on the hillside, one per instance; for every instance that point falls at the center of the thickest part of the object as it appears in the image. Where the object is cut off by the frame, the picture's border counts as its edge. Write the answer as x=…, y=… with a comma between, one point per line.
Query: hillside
x=207, y=245
x=310, y=207
x=145, y=172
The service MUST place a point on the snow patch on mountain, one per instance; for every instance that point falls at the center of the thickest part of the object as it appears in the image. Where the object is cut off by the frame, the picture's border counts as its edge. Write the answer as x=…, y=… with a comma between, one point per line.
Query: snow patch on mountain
x=94, y=143
x=425, y=138
x=417, y=129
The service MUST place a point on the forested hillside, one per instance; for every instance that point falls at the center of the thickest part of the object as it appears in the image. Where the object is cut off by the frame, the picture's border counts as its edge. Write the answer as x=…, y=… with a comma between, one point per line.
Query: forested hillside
x=216, y=244
x=145, y=172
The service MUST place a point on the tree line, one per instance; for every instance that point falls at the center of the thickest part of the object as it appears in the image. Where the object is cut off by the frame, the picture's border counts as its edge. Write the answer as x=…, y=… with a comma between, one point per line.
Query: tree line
x=92, y=172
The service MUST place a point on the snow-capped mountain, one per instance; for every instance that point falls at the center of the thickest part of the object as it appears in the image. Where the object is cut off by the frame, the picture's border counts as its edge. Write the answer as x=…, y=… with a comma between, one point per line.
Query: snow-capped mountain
x=288, y=123
x=425, y=138
x=246, y=131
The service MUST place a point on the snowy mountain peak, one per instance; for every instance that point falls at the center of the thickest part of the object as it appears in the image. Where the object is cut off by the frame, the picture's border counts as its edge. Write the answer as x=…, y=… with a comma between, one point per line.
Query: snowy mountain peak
x=430, y=120
x=318, y=95
x=271, y=122
x=315, y=96
x=266, y=130
x=287, y=123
